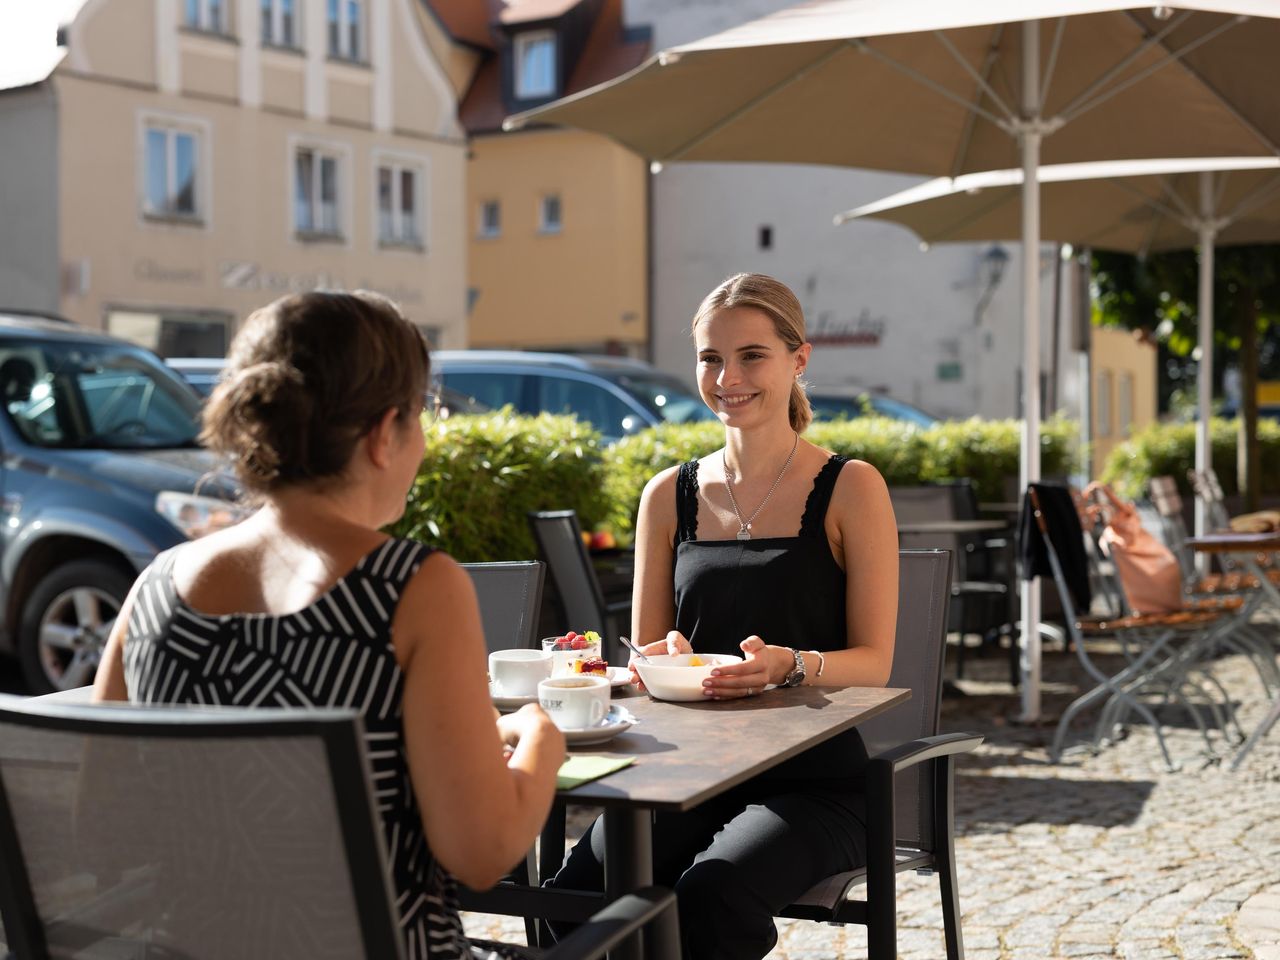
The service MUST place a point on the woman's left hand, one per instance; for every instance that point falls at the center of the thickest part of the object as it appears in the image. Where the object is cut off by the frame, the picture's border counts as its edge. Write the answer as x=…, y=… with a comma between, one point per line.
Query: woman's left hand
x=745, y=679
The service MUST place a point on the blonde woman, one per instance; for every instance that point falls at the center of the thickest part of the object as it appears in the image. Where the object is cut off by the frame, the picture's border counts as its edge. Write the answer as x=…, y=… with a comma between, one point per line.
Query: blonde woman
x=775, y=549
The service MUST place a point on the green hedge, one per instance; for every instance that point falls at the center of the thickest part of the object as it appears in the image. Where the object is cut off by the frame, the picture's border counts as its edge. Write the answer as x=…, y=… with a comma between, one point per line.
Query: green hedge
x=481, y=475
x=1169, y=450
x=985, y=451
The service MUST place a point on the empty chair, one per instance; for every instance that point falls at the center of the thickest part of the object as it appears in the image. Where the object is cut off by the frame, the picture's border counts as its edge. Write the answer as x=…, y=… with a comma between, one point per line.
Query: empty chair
x=559, y=540
x=909, y=778
x=510, y=596
x=238, y=834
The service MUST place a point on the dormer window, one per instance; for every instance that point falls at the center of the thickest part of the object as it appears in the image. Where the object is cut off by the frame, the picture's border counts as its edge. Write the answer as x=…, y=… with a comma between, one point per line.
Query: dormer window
x=535, y=66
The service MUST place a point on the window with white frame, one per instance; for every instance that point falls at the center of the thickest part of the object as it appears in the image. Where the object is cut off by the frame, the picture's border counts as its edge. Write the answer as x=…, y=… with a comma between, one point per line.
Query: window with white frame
x=490, y=218
x=346, y=29
x=171, y=170
x=1124, y=404
x=207, y=15
x=549, y=214
x=279, y=23
x=400, y=203
x=316, y=191
x=535, y=64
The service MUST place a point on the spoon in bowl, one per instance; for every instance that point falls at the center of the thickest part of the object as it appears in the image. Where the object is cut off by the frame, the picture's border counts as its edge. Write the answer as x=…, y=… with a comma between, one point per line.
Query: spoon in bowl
x=633, y=648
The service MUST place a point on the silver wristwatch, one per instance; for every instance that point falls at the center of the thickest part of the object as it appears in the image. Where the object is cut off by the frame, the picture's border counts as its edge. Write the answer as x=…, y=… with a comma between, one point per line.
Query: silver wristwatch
x=797, y=674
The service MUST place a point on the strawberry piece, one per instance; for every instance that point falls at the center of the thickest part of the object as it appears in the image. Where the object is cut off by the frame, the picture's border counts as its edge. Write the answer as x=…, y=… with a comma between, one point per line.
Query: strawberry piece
x=570, y=635
x=579, y=643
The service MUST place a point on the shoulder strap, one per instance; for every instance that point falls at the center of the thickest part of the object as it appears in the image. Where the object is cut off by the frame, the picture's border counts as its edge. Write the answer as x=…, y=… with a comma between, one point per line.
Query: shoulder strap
x=815, y=508
x=687, y=502
x=395, y=562
x=154, y=597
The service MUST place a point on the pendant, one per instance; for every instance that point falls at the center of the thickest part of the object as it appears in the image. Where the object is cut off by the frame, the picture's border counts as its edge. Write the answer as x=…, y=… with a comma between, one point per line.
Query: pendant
x=744, y=534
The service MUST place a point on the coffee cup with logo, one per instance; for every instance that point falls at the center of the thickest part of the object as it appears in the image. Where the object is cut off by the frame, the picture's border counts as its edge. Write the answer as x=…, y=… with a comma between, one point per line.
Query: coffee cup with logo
x=516, y=673
x=574, y=703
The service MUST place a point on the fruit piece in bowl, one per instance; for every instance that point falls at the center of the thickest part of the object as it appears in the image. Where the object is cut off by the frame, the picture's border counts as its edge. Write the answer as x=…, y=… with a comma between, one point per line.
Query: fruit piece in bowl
x=591, y=665
x=679, y=677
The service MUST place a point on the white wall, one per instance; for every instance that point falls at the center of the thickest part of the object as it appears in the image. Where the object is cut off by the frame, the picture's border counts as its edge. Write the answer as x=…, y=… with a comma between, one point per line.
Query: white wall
x=866, y=278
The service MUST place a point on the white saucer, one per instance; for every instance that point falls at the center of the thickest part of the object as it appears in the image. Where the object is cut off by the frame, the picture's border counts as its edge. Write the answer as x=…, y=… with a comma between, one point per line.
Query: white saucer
x=510, y=703
x=619, y=676
x=617, y=720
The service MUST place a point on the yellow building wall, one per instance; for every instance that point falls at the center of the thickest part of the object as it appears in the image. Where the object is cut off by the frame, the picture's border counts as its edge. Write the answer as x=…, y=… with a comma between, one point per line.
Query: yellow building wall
x=577, y=289
x=1123, y=373
x=120, y=39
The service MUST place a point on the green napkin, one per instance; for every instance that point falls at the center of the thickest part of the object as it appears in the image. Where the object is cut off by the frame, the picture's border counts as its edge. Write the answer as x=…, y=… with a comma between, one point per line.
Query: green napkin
x=580, y=769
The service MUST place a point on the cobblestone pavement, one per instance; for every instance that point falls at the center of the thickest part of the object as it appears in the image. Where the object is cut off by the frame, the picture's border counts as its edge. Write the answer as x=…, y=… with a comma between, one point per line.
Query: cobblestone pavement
x=1106, y=855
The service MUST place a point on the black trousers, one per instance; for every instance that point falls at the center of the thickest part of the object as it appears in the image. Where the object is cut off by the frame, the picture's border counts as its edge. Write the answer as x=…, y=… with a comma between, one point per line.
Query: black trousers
x=738, y=859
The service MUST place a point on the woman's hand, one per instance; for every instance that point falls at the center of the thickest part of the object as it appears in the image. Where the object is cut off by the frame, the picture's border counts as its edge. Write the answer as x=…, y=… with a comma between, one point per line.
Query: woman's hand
x=674, y=645
x=745, y=679
x=512, y=727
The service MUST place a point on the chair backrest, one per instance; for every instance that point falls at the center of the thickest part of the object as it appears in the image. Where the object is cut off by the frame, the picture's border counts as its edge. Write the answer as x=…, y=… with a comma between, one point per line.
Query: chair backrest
x=1209, y=491
x=189, y=833
x=930, y=503
x=559, y=539
x=924, y=593
x=1168, y=503
x=1055, y=562
x=510, y=596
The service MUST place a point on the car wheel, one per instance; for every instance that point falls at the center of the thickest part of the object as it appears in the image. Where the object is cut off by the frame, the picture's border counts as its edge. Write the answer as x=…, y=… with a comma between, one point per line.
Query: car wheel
x=65, y=624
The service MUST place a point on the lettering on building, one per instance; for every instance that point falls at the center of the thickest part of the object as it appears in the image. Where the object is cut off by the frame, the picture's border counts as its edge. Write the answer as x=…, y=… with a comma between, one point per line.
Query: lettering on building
x=864, y=330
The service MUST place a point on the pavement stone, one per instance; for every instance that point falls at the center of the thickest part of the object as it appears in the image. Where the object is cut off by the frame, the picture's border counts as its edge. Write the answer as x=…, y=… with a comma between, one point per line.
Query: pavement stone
x=1103, y=855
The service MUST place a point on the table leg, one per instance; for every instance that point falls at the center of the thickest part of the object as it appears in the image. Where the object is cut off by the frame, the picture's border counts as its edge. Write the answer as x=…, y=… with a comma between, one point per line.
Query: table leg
x=628, y=862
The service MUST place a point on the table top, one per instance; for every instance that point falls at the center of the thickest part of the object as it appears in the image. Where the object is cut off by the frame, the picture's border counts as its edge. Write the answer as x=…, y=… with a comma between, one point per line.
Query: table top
x=689, y=752
x=1229, y=541
x=953, y=526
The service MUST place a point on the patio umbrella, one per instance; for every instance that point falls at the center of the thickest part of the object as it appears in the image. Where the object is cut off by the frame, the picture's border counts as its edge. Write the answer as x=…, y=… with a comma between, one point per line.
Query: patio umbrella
x=1135, y=206
x=942, y=88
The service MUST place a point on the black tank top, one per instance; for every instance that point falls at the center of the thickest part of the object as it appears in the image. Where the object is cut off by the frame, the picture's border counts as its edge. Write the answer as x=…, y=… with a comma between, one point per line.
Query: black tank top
x=788, y=591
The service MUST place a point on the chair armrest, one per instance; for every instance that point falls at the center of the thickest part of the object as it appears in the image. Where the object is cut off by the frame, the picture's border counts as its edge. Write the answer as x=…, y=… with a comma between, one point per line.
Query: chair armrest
x=610, y=926
x=912, y=752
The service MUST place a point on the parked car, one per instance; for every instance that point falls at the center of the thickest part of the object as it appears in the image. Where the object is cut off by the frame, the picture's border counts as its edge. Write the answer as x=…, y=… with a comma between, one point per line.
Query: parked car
x=203, y=373
x=100, y=472
x=843, y=405
x=616, y=395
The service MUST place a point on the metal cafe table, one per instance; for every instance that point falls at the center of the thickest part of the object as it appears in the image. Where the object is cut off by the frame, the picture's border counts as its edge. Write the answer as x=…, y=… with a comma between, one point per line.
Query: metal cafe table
x=687, y=753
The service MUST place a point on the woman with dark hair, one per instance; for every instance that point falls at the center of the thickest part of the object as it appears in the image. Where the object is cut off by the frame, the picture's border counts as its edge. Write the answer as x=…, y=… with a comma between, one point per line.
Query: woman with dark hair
x=307, y=604
x=778, y=550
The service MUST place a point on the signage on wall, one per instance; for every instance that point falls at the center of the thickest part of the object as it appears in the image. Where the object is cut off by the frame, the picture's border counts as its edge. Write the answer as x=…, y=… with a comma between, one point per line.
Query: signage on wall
x=247, y=275
x=864, y=330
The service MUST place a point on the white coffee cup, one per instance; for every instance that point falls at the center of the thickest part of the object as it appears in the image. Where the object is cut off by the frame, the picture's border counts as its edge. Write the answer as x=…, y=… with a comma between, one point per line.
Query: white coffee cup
x=574, y=703
x=515, y=673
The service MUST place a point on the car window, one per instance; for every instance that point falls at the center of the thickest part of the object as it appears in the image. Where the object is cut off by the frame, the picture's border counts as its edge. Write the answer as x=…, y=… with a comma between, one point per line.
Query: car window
x=493, y=390
x=589, y=402
x=94, y=395
x=666, y=398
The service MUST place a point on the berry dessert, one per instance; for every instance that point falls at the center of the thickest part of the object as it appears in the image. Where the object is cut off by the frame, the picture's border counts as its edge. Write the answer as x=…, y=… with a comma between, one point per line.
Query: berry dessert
x=591, y=665
x=572, y=647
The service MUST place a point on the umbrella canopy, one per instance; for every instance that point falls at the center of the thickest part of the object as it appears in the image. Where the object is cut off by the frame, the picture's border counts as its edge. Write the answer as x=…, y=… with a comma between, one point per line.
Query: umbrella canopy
x=942, y=88
x=933, y=86
x=1136, y=206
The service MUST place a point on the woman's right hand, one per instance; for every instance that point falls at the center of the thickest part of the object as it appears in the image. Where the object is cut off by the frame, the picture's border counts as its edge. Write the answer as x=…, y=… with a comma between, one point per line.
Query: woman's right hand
x=525, y=722
x=674, y=644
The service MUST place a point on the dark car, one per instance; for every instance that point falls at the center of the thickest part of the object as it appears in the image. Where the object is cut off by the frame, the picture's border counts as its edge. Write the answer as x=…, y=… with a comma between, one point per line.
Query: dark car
x=833, y=405
x=616, y=395
x=100, y=472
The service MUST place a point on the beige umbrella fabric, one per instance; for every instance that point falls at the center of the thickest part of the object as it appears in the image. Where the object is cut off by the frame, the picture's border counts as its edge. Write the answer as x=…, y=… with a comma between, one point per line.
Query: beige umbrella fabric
x=939, y=87
x=933, y=86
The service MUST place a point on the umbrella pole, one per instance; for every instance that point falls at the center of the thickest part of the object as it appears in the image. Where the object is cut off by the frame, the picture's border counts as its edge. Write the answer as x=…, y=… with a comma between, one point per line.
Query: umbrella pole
x=1029, y=134
x=1204, y=376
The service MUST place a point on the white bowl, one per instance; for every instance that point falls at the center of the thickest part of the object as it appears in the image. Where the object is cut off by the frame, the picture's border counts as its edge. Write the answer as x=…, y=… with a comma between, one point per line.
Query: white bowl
x=671, y=678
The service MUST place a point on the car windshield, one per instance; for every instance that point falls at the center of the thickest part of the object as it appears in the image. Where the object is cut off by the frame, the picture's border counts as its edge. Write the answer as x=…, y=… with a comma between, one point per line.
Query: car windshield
x=889, y=407
x=666, y=397
x=86, y=395
x=828, y=407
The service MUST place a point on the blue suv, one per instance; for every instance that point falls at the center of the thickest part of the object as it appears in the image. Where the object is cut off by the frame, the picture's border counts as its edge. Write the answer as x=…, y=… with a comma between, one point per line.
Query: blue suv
x=99, y=471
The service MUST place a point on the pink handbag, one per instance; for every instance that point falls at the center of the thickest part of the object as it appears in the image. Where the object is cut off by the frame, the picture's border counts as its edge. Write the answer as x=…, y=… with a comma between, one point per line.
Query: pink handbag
x=1148, y=571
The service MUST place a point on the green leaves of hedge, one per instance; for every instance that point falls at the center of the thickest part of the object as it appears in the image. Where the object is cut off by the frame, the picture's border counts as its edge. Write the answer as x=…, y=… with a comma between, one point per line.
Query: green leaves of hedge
x=481, y=475
x=1169, y=450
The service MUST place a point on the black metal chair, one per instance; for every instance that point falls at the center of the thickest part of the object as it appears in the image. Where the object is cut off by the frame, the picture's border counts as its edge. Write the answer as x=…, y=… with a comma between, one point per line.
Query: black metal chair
x=559, y=540
x=909, y=780
x=181, y=832
x=510, y=596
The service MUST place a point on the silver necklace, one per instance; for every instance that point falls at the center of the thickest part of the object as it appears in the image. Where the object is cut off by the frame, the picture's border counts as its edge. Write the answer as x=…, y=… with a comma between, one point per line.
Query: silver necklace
x=745, y=532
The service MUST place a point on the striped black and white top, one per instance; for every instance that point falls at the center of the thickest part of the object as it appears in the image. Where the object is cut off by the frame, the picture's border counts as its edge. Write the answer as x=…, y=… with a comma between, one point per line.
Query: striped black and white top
x=337, y=652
